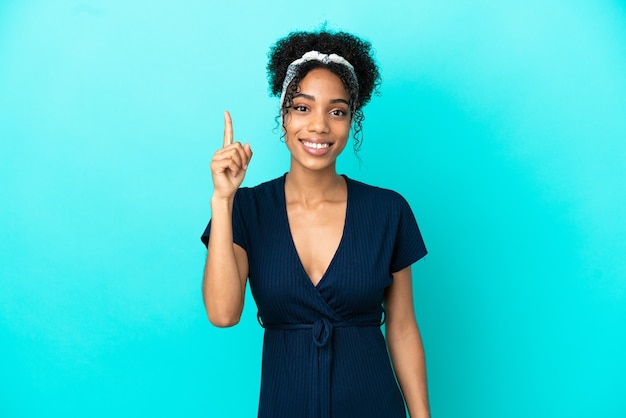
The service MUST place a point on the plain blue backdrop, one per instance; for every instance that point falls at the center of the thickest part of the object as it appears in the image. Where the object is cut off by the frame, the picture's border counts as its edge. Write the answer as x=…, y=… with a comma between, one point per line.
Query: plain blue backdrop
x=502, y=123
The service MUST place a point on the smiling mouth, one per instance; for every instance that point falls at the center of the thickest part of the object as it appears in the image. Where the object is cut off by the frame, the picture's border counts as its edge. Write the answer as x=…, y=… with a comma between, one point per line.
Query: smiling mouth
x=316, y=145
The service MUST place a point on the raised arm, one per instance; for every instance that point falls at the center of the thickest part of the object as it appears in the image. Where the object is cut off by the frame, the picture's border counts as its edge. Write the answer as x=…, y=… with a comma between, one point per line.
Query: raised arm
x=226, y=268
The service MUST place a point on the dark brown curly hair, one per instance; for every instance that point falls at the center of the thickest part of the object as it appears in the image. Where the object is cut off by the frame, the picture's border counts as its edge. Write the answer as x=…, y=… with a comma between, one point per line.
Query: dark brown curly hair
x=356, y=51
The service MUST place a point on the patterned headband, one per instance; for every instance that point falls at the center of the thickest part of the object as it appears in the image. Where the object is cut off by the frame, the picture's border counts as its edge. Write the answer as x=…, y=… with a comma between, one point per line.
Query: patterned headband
x=292, y=70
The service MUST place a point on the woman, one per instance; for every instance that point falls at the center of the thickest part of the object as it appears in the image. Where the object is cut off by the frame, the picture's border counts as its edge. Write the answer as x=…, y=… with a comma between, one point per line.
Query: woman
x=323, y=253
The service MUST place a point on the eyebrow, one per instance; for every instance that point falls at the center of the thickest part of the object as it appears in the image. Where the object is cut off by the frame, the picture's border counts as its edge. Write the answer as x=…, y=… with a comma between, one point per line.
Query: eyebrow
x=312, y=98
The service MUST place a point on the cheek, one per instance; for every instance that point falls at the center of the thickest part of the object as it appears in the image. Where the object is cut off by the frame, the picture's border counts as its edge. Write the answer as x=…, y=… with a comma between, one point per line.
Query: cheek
x=291, y=126
x=290, y=132
x=345, y=129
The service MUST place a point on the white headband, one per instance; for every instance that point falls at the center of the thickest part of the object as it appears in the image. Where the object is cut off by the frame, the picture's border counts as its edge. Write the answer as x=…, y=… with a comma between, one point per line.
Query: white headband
x=292, y=70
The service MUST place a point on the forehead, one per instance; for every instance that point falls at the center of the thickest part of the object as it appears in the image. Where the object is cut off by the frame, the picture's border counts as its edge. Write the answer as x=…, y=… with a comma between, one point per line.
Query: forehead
x=322, y=80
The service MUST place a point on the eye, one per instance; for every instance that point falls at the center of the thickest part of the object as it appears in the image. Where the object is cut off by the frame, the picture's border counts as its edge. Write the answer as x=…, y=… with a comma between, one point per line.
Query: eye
x=338, y=112
x=299, y=108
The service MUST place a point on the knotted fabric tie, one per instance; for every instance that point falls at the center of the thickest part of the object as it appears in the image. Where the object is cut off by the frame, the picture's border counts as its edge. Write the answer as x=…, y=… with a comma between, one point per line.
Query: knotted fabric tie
x=321, y=365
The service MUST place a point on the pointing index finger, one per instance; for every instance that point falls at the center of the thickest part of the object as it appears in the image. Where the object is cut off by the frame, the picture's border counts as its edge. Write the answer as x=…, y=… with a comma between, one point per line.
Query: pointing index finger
x=228, y=128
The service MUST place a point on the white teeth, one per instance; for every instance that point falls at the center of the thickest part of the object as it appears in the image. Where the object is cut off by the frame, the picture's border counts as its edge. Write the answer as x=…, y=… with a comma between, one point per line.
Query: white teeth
x=315, y=145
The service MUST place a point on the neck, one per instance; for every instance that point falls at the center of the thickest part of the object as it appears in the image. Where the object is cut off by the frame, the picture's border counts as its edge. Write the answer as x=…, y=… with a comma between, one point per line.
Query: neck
x=313, y=186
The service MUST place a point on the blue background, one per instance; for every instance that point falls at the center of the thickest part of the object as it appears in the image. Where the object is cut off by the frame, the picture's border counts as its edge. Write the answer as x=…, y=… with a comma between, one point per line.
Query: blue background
x=502, y=123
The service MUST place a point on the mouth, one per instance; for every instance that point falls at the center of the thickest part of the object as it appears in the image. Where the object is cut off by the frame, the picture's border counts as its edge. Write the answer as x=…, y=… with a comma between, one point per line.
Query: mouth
x=316, y=145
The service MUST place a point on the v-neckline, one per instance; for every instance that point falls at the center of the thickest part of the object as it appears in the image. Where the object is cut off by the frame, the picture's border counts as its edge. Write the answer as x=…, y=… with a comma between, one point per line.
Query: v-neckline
x=293, y=243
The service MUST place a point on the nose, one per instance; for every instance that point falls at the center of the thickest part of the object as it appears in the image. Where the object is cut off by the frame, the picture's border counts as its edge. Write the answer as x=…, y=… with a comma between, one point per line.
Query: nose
x=318, y=122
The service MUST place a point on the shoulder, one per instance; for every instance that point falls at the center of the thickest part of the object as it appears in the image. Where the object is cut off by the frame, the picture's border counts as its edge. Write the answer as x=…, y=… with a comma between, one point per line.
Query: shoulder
x=260, y=196
x=375, y=195
x=266, y=188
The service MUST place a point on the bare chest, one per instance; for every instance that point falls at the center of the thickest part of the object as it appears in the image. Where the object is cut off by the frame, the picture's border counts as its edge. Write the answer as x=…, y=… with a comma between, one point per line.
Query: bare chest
x=317, y=234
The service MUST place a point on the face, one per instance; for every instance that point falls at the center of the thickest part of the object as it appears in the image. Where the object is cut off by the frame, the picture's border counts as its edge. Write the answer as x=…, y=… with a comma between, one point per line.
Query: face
x=317, y=126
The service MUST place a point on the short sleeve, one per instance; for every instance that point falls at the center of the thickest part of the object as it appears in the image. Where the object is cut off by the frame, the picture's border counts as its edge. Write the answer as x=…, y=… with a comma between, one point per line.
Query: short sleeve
x=239, y=227
x=409, y=246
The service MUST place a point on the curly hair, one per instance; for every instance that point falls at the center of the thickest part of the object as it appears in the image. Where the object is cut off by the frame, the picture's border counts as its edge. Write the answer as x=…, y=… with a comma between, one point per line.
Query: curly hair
x=355, y=50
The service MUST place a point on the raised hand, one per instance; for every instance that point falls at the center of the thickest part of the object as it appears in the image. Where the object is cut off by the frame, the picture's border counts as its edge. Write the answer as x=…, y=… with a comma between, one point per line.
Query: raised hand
x=229, y=163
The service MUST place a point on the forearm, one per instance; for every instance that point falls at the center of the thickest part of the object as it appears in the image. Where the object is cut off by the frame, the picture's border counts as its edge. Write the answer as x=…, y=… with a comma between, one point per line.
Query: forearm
x=222, y=288
x=407, y=355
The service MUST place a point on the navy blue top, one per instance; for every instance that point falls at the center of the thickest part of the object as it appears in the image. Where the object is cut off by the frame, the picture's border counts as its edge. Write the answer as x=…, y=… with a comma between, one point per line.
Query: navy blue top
x=324, y=354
